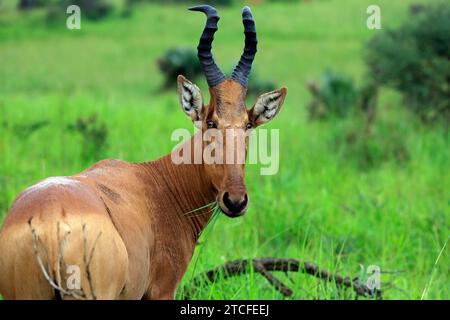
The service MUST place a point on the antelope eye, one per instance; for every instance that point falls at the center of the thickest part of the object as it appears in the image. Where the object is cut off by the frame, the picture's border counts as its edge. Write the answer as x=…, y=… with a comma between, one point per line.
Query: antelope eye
x=211, y=124
x=249, y=126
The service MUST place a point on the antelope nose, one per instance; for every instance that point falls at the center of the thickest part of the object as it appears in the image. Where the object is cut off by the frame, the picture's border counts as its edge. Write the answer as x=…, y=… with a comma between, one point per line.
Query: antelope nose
x=235, y=207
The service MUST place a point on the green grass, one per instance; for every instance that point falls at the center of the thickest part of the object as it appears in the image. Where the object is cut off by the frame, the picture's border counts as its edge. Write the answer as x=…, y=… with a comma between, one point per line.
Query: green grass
x=322, y=206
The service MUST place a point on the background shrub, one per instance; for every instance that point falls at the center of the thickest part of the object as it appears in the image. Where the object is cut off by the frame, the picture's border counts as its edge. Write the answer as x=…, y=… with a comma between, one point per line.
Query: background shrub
x=181, y=60
x=30, y=4
x=210, y=2
x=90, y=9
x=93, y=9
x=415, y=59
x=188, y=2
x=335, y=95
x=94, y=136
x=369, y=144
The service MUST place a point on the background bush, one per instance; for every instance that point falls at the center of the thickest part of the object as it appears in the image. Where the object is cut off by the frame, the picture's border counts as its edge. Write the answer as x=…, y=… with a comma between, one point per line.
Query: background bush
x=415, y=59
x=94, y=135
x=92, y=9
x=180, y=60
x=30, y=4
x=334, y=95
x=188, y=2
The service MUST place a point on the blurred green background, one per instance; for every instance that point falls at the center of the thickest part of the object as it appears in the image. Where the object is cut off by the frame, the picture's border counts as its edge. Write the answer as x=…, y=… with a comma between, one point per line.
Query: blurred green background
x=354, y=188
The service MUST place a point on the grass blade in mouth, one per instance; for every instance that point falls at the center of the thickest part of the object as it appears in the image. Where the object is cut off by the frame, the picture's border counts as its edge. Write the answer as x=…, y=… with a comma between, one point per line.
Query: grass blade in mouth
x=200, y=208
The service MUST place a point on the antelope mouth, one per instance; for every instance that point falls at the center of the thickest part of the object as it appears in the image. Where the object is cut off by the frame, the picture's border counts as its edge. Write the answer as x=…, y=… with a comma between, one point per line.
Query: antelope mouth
x=231, y=214
x=232, y=208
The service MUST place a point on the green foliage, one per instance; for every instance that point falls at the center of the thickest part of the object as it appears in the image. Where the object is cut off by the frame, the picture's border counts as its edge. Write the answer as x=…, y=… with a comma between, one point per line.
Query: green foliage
x=415, y=59
x=190, y=2
x=55, y=15
x=288, y=1
x=90, y=9
x=358, y=135
x=180, y=60
x=369, y=144
x=336, y=95
x=94, y=137
x=24, y=130
x=129, y=4
x=30, y=4
x=93, y=9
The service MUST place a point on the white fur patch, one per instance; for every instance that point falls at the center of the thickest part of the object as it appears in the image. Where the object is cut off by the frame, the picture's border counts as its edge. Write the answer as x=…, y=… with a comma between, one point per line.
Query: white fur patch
x=267, y=105
x=191, y=99
x=53, y=181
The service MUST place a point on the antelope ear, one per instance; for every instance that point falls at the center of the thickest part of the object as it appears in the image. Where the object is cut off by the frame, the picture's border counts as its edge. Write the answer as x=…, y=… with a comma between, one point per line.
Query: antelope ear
x=190, y=98
x=267, y=106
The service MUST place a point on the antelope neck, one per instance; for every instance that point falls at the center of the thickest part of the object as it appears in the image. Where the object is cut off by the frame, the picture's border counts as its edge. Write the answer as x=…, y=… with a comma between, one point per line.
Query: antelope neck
x=181, y=190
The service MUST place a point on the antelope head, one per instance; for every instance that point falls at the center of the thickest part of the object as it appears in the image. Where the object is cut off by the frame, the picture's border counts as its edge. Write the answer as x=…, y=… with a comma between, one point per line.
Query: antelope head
x=226, y=112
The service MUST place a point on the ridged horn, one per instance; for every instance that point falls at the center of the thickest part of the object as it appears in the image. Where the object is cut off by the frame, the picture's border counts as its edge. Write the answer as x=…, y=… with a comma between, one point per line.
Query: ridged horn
x=242, y=70
x=213, y=74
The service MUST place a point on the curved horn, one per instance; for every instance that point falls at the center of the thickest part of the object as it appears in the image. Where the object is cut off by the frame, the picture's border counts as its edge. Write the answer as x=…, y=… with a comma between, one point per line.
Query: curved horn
x=242, y=70
x=213, y=74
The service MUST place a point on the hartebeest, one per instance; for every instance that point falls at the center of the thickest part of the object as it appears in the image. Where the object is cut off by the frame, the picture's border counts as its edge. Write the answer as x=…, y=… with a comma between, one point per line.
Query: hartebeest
x=125, y=224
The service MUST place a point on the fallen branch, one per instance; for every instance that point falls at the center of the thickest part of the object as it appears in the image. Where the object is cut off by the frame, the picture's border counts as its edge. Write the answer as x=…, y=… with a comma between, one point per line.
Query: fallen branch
x=264, y=266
